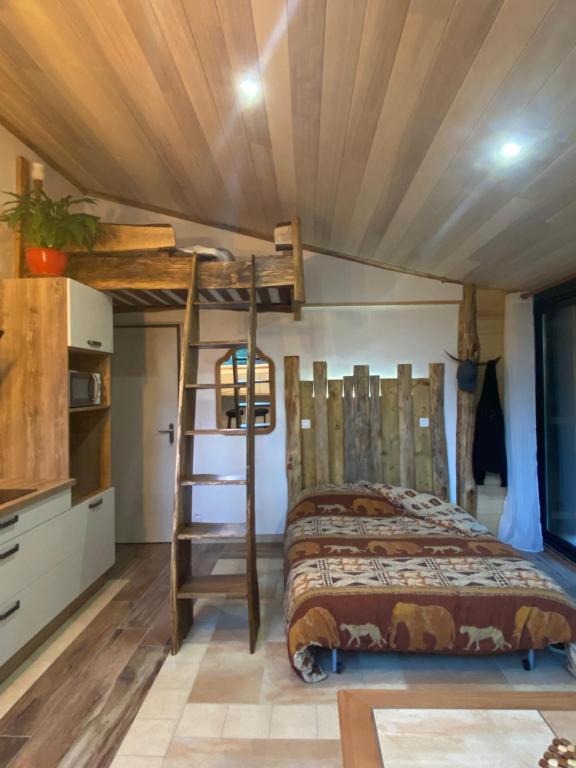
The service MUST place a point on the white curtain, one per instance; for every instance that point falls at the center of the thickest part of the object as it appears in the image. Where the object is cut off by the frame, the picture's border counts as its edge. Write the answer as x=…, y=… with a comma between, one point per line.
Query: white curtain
x=520, y=524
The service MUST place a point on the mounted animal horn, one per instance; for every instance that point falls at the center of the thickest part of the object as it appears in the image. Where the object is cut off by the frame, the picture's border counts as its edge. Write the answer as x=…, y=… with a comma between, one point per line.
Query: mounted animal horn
x=467, y=372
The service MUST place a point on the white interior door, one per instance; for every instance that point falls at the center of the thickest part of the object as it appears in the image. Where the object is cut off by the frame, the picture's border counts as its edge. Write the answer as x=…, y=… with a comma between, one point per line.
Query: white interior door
x=145, y=403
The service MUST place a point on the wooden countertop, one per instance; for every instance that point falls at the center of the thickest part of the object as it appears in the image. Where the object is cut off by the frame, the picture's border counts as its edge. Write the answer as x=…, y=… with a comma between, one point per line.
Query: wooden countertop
x=41, y=490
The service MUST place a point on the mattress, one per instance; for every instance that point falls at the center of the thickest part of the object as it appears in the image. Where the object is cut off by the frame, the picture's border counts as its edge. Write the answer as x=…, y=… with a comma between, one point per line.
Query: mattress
x=377, y=568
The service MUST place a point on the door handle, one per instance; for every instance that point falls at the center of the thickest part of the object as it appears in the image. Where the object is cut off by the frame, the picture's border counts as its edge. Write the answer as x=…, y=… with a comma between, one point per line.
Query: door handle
x=169, y=432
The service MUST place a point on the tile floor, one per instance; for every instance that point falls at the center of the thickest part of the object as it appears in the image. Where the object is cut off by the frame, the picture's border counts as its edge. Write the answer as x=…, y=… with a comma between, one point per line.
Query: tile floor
x=215, y=706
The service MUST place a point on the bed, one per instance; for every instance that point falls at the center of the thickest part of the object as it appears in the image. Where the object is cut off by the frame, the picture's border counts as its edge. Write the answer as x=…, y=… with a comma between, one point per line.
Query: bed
x=378, y=568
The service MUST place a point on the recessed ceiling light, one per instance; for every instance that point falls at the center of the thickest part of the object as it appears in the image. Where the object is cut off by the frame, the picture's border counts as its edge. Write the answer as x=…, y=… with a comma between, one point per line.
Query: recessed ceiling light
x=249, y=88
x=510, y=149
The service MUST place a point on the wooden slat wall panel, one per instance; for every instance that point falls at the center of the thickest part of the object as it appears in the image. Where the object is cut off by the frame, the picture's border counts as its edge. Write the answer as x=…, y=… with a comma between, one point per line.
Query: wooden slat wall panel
x=367, y=428
x=438, y=432
x=405, y=426
x=308, y=438
x=375, y=430
x=362, y=422
x=422, y=441
x=390, y=431
x=336, y=430
x=293, y=420
x=321, y=423
x=349, y=455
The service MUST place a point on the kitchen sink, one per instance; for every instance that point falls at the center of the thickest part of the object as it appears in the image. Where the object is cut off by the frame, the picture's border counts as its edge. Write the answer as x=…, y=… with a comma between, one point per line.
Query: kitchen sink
x=9, y=494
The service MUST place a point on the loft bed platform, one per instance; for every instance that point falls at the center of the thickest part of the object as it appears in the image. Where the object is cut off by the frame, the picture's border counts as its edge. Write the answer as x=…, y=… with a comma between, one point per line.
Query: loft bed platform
x=156, y=279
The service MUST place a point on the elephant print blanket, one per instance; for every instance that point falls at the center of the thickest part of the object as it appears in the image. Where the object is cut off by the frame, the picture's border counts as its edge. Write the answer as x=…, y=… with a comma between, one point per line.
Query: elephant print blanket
x=376, y=568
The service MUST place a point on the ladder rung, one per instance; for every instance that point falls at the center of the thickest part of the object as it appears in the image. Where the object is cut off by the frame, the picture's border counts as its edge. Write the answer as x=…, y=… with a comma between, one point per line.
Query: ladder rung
x=218, y=344
x=214, y=480
x=230, y=585
x=190, y=432
x=214, y=385
x=213, y=531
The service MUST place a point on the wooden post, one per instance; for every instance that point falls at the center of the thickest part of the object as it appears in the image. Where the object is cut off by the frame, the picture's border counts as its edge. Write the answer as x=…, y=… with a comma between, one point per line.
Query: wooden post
x=362, y=445
x=22, y=185
x=406, y=426
x=308, y=438
x=468, y=348
x=375, y=430
x=438, y=432
x=293, y=422
x=350, y=470
x=336, y=430
x=298, y=295
x=321, y=423
x=390, y=431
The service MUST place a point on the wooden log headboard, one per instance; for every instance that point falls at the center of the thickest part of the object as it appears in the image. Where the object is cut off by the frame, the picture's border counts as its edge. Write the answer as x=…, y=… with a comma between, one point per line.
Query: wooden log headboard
x=364, y=427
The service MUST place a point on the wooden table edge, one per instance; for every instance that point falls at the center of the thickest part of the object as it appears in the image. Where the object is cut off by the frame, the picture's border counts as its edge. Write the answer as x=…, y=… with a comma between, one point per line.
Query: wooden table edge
x=358, y=735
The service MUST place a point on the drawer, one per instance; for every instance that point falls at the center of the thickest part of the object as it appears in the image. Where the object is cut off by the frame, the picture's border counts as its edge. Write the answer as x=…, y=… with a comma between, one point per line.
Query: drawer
x=34, y=514
x=25, y=558
x=97, y=536
x=90, y=321
x=25, y=614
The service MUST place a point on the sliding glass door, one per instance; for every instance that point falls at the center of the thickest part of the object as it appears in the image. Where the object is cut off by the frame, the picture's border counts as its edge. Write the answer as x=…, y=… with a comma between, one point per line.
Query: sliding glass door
x=555, y=317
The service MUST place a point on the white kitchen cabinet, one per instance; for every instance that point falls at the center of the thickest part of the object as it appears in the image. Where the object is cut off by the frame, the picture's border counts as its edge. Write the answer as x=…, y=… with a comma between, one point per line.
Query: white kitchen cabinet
x=98, y=536
x=24, y=519
x=90, y=320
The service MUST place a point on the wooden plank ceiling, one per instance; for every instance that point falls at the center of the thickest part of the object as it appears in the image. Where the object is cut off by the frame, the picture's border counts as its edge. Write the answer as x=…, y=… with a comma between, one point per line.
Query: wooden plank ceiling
x=380, y=122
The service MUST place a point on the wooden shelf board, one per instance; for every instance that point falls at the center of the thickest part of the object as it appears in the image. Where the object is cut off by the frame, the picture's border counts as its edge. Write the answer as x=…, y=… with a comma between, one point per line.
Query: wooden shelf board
x=214, y=480
x=215, y=385
x=230, y=585
x=190, y=432
x=87, y=408
x=218, y=344
x=213, y=531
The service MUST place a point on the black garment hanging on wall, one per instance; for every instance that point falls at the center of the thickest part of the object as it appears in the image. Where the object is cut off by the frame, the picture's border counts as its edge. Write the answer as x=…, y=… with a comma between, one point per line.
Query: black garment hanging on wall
x=489, y=447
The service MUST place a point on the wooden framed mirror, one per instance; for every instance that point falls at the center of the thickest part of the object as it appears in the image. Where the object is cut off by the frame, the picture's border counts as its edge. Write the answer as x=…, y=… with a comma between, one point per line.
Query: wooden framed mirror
x=231, y=368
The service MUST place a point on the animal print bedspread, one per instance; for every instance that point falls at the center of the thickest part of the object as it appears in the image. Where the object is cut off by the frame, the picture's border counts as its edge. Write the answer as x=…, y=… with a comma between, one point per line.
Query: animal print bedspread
x=376, y=568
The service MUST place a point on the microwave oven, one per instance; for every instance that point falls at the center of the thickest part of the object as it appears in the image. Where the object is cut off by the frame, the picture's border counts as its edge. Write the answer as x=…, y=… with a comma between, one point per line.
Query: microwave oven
x=85, y=389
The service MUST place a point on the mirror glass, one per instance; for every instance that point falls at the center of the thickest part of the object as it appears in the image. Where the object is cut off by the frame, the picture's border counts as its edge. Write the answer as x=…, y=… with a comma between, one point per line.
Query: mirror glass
x=231, y=370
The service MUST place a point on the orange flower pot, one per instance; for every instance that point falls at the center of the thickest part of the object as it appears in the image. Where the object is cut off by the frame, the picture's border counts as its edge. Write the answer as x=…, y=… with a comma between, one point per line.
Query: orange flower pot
x=49, y=262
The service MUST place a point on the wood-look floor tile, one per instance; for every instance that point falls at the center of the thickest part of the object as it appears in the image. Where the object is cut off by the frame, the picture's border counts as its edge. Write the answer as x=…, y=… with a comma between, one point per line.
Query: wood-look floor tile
x=253, y=753
x=9, y=748
x=148, y=738
x=103, y=733
x=147, y=607
x=229, y=674
x=145, y=572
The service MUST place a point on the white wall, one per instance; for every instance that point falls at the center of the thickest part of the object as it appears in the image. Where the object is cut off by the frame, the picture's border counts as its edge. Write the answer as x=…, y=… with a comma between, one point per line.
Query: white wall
x=10, y=149
x=380, y=336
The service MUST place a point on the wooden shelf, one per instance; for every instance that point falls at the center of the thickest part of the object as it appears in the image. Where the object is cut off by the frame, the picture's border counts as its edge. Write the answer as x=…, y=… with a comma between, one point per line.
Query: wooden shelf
x=218, y=344
x=229, y=585
x=213, y=531
x=88, y=408
x=191, y=432
x=214, y=480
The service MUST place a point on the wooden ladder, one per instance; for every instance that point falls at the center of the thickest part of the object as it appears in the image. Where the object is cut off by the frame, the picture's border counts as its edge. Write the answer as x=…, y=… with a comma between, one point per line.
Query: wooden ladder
x=185, y=587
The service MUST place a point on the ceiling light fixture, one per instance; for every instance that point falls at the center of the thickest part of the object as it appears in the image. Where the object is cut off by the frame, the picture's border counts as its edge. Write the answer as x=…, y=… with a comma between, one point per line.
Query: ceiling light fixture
x=249, y=89
x=510, y=149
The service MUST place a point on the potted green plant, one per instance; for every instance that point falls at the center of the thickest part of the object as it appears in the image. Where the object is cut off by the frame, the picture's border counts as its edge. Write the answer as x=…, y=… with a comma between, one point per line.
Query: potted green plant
x=48, y=226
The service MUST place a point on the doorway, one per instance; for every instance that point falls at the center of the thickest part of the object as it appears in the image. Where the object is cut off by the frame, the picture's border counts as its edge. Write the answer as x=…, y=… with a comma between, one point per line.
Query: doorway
x=555, y=318
x=144, y=415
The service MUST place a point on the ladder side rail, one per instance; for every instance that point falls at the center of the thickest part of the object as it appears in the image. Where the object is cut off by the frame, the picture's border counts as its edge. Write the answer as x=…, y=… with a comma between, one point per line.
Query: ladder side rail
x=251, y=568
x=182, y=615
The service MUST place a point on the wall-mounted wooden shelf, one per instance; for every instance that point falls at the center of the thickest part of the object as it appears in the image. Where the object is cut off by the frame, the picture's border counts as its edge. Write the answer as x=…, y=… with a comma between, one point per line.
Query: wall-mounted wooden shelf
x=87, y=408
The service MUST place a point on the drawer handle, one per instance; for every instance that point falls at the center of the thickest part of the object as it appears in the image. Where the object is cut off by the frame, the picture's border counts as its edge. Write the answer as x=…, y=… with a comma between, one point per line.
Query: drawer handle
x=94, y=343
x=97, y=503
x=8, y=523
x=10, y=611
x=9, y=552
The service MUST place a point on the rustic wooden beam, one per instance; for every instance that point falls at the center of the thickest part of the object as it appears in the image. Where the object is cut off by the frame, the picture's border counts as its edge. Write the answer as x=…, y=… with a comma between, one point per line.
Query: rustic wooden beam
x=468, y=348
x=307, y=435
x=375, y=430
x=350, y=474
x=438, y=432
x=406, y=426
x=133, y=237
x=321, y=423
x=298, y=259
x=362, y=445
x=293, y=424
x=390, y=431
x=422, y=437
x=160, y=270
x=22, y=185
